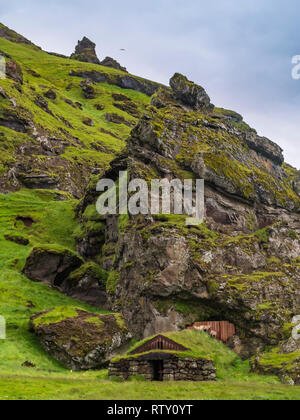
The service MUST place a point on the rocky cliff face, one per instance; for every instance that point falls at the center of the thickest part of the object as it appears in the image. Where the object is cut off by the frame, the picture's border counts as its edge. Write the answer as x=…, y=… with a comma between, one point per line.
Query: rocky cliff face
x=242, y=264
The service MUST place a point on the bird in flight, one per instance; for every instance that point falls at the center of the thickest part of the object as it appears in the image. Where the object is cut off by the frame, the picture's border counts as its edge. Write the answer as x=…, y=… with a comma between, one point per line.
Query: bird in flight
x=122, y=49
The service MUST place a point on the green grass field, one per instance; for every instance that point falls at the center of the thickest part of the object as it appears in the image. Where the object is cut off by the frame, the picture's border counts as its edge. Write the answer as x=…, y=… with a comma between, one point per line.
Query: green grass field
x=95, y=386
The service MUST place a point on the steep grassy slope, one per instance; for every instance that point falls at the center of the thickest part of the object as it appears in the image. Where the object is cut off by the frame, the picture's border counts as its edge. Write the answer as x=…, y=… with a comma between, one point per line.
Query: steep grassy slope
x=20, y=298
x=81, y=137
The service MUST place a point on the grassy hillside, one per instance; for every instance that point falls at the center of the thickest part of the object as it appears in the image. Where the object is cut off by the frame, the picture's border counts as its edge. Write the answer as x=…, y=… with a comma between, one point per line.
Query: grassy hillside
x=53, y=224
x=80, y=124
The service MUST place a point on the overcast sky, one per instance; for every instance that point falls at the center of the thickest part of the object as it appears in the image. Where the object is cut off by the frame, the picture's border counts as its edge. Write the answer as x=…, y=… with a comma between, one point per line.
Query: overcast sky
x=240, y=51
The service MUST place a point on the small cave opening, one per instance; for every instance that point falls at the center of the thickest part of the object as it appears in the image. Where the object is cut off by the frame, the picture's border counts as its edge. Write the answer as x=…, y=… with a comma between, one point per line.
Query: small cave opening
x=28, y=221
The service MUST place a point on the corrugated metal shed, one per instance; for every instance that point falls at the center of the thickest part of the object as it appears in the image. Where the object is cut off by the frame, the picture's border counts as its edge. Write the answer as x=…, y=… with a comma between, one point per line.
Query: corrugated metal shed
x=224, y=329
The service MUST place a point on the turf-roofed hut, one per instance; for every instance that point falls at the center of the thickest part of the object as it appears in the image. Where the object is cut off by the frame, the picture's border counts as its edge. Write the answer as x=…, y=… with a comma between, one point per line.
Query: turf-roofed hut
x=161, y=359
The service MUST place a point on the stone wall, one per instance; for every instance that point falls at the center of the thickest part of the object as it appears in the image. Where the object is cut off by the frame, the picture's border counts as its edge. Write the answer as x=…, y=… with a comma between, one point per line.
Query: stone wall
x=174, y=369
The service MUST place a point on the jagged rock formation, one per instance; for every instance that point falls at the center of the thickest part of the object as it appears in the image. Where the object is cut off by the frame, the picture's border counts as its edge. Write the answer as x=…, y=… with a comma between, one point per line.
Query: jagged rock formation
x=189, y=93
x=78, y=339
x=85, y=51
x=242, y=264
x=111, y=62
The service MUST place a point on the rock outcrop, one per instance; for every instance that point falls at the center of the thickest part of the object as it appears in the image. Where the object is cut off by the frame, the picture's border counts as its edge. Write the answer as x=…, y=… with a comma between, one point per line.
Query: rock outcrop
x=80, y=340
x=241, y=265
x=88, y=89
x=51, y=265
x=88, y=285
x=85, y=51
x=282, y=361
x=189, y=93
x=14, y=71
x=112, y=63
x=123, y=81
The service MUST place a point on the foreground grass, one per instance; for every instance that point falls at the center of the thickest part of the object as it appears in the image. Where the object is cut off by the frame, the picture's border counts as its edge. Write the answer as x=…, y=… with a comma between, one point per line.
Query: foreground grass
x=81, y=387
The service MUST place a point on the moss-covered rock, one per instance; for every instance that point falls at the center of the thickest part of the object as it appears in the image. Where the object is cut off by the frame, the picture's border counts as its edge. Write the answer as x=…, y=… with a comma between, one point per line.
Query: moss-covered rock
x=43, y=144
x=78, y=339
x=284, y=365
x=189, y=93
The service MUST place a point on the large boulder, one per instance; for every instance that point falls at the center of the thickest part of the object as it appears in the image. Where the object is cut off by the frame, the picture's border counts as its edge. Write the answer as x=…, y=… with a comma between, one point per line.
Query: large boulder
x=189, y=93
x=51, y=265
x=80, y=340
x=85, y=51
